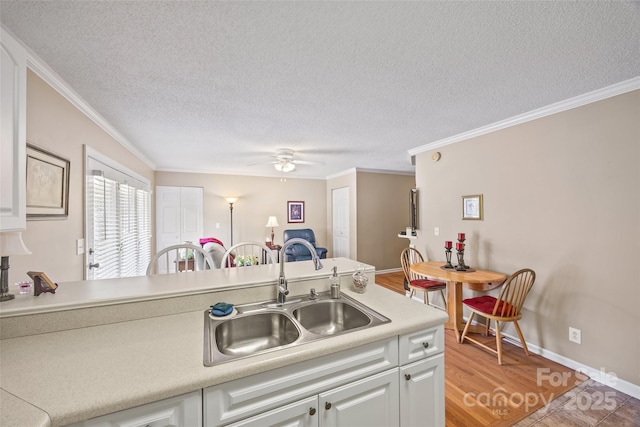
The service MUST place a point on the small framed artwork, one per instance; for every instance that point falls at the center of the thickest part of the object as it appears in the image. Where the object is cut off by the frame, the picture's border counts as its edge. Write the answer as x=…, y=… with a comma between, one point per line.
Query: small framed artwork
x=47, y=184
x=295, y=211
x=472, y=207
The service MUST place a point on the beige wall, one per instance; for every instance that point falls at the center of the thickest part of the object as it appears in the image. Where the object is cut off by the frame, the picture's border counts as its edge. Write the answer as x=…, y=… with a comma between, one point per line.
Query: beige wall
x=383, y=211
x=258, y=198
x=561, y=195
x=57, y=126
x=378, y=211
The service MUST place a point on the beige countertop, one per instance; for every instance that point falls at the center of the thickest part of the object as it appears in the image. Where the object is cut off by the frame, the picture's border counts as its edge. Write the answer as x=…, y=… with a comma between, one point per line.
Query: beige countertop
x=76, y=374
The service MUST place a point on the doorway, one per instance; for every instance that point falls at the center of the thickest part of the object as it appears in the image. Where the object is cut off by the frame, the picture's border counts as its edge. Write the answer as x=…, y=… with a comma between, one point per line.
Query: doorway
x=341, y=239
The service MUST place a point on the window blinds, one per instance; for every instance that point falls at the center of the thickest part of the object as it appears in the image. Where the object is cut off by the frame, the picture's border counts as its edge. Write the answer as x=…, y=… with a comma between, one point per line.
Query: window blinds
x=120, y=218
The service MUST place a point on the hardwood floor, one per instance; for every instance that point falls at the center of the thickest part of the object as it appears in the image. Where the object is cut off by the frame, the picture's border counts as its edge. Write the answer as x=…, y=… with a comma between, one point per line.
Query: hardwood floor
x=479, y=392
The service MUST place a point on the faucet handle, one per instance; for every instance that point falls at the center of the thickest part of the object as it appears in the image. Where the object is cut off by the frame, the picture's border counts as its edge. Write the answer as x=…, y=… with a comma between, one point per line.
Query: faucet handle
x=313, y=294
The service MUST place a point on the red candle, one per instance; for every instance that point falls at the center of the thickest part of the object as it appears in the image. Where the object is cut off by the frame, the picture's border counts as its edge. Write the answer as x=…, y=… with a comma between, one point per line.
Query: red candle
x=448, y=244
x=459, y=246
x=460, y=236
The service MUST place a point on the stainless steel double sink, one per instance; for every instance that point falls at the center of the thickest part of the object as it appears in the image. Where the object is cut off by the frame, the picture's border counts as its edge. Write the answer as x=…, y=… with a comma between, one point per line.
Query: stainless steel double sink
x=266, y=326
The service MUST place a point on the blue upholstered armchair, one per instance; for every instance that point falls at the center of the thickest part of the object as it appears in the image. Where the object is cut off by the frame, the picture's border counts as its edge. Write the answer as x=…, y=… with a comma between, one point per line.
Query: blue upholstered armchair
x=298, y=252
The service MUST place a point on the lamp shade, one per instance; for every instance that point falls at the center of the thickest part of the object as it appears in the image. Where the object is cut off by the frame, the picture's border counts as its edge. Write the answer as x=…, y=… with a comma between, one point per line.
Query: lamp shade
x=272, y=222
x=11, y=244
x=231, y=199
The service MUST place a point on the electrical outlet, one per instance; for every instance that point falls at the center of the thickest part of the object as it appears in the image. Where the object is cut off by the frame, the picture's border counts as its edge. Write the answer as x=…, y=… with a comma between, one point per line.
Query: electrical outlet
x=436, y=231
x=575, y=335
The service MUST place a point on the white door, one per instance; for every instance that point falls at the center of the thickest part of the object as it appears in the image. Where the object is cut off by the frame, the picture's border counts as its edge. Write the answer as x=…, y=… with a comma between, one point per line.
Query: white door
x=179, y=216
x=167, y=217
x=191, y=214
x=373, y=401
x=117, y=218
x=340, y=202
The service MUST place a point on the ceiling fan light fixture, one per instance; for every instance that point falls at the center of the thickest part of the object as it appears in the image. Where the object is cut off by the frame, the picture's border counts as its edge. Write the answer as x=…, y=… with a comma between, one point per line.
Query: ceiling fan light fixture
x=285, y=166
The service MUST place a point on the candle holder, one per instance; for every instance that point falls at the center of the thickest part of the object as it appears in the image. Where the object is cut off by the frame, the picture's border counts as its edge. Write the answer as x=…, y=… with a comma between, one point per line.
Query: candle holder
x=461, y=265
x=447, y=253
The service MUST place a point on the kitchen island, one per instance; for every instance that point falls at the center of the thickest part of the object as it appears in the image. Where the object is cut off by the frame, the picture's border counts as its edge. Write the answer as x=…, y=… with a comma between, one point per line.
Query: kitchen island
x=99, y=347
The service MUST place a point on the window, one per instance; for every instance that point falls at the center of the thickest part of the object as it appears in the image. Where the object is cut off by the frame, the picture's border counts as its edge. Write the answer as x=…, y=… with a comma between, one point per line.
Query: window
x=118, y=219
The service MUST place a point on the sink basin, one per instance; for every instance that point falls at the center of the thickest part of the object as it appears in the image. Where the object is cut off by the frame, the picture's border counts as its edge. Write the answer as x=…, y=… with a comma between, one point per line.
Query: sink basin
x=253, y=333
x=266, y=326
x=330, y=317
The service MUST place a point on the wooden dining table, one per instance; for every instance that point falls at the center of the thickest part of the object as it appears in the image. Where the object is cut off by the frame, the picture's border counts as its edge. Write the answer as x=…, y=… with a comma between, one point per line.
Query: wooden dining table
x=478, y=280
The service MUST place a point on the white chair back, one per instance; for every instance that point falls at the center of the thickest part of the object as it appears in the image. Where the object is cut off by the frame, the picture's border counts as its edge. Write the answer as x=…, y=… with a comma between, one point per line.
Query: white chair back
x=246, y=254
x=180, y=258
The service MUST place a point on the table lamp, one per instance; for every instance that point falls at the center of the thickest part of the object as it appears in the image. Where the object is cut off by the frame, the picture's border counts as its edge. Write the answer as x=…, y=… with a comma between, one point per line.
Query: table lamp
x=10, y=244
x=272, y=222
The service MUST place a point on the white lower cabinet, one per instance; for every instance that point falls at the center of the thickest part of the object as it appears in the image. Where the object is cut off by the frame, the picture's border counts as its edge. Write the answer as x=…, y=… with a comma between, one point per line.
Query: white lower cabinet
x=422, y=393
x=396, y=382
x=180, y=411
x=369, y=402
x=373, y=401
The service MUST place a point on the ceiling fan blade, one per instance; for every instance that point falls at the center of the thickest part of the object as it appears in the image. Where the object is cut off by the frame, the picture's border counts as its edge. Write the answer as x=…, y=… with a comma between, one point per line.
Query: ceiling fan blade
x=265, y=163
x=306, y=162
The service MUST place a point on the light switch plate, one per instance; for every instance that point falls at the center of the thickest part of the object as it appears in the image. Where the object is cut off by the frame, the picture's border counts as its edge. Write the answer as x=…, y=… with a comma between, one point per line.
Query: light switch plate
x=436, y=231
x=79, y=246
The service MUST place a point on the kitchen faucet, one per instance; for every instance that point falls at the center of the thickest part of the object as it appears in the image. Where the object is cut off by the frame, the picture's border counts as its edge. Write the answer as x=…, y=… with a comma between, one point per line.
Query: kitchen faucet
x=283, y=291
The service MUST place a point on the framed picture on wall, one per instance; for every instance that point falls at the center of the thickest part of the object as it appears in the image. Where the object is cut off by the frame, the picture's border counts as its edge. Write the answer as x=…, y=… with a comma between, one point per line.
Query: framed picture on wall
x=295, y=211
x=47, y=184
x=472, y=207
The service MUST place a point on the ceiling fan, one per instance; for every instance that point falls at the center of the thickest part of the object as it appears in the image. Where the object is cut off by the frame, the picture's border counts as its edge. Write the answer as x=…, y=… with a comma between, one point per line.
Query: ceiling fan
x=284, y=161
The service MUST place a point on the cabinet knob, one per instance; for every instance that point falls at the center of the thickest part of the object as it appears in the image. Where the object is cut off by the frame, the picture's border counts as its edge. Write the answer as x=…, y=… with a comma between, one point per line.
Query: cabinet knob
x=407, y=377
x=425, y=344
x=327, y=405
x=312, y=411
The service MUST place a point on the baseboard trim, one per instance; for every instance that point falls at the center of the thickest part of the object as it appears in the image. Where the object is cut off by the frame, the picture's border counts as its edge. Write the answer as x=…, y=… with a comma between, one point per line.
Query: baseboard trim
x=600, y=375
x=390, y=270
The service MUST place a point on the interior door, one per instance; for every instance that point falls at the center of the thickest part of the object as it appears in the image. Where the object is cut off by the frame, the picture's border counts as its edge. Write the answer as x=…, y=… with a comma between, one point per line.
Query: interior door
x=167, y=217
x=341, y=239
x=179, y=216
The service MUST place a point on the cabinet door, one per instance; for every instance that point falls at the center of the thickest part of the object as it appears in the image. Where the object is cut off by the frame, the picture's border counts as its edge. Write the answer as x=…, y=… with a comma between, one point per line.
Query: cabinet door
x=372, y=401
x=422, y=393
x=303, y=413
x=13, y=140
x=179, y=411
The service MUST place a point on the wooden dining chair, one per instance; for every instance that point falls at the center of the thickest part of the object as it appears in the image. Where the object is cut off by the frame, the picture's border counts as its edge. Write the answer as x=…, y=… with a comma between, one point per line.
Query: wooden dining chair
x=506, y=308
x=419, y=283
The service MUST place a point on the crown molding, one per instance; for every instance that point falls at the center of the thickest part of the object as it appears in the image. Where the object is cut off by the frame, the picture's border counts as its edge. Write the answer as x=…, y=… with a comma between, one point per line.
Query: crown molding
x=558, y=107
x=42, y=70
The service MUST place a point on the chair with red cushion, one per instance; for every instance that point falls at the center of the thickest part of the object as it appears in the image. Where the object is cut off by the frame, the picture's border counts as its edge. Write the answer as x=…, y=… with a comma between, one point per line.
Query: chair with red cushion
x=506, y=308
x=419, y=283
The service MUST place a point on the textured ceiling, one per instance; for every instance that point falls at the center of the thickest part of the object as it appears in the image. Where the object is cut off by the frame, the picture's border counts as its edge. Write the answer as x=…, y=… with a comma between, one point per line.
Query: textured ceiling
x=218, y=86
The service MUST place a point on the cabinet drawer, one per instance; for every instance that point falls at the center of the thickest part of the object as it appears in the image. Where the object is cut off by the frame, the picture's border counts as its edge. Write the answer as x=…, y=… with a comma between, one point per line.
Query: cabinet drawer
x=246, y=397
x=303, y=413
x=421, y=344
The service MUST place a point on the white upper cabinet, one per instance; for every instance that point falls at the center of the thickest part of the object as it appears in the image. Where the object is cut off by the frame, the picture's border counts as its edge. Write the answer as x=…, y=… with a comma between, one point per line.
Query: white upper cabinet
x=13, y=97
